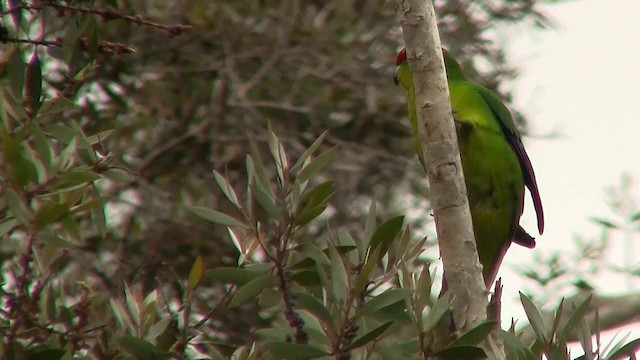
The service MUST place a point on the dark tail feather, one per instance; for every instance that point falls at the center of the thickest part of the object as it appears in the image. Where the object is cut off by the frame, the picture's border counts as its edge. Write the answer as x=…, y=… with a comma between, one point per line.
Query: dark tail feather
x=522, y=238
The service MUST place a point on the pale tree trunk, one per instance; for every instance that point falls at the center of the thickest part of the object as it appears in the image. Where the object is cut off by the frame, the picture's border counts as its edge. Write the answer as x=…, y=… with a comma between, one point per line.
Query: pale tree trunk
x=444, y=169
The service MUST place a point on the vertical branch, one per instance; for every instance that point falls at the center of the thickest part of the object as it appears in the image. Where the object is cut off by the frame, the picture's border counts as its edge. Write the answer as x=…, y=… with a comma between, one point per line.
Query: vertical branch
x=449, y=194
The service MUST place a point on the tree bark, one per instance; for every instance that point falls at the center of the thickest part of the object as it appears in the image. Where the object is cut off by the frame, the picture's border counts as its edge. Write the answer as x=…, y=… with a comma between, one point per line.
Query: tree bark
x=454, y=229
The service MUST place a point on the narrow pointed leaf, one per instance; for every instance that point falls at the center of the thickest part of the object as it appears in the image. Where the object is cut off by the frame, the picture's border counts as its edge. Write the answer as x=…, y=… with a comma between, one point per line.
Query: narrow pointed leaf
x=535, y=318
x=251, y=290
x=370, y=336
x=216, y=217
x=195, y=275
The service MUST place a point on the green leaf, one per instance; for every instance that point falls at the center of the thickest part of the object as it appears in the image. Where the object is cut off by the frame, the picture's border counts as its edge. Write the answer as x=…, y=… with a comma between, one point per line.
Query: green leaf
x=227, y=189
x=461, y=352
x=383, y=300
x=307, y=153
x=363, y=277
x=99, y=137
x=16, y=13
x=17, y=207
x=7, y=225
x=313, y=203
x=15, y=70
x=216, y=217
x=55, y=106
x=315, y=307
x=46, y=354
x=33, y=79
x=317, y=164
x=625, y=351
x=370, y=224
x=158, y=328
x=138, y=348
x=49, y=213
x=259, y=172
x=370, y=336
x=516, y=349
x=438, y=310
x=278, y=154
x=339, y=277
x=266, y=200
x=605, y=223
x=285, y=350
x=386, y=233
x=575, y=318
x=235, y=275
x=476, y=334
x=269, y=298
x=195, y=275
x=535, y=319
x=42, y=145
x=423, y=288
x=313, y=252
x=251, y=290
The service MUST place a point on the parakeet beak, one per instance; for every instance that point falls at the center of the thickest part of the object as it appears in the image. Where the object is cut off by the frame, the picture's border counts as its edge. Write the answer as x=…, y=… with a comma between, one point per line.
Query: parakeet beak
x=395, y=76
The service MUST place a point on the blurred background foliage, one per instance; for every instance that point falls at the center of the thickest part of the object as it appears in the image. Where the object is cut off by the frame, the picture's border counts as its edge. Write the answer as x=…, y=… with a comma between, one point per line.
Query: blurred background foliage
x=115, y=113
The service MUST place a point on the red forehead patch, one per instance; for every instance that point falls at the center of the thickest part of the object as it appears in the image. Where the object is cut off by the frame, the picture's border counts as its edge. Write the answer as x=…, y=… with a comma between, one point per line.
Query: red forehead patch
x=401, y=57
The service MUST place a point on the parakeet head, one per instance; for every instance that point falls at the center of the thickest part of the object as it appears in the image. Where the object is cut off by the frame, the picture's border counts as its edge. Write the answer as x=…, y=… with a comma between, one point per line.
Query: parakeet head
x=403, y=74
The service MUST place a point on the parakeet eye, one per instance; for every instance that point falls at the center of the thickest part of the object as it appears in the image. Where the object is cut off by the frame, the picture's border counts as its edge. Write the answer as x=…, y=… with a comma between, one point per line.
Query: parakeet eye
x=401, y=57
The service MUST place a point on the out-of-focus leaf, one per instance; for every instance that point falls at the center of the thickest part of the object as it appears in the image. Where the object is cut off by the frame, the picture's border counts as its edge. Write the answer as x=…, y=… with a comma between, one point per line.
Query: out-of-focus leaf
x=236, y=275
x=15, y=8
x=624, y=352
x=383, y=300
x=158, y=328
x=46, y=354
x=7, y=225
x=605, y=222
x=575, y=318
x=284, y=350
x=370, y=336
x=363, y=277
x=33, y=79
x=251, y=290
x=439, y=308
x=266, y=201
x=227, y=189
x=339, y=277
x=138, y=348
x=311, y=304
x=55, y=106
x=49, y=213
x=515, y=348
x=476, y=334
x=314, y=203
x=195, y=275
x=216, y=217
x=269, y=298
x=307, y=153
x=99, y=137
x=17, y=206
x=535, y=319
x=15, y=70
x=461, y=352
x=42, y=145
x=370, y=224
x=317, y=164
x=386, y=233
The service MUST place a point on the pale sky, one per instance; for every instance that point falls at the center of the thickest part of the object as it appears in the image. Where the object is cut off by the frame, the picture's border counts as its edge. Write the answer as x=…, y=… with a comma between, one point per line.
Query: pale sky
x=581, y=80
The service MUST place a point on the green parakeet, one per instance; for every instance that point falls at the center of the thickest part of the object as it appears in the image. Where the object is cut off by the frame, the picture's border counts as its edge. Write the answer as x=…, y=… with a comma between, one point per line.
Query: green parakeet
x=496, y=166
